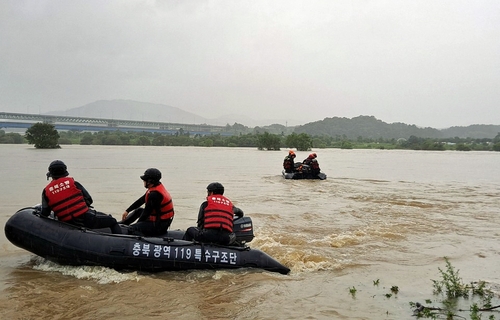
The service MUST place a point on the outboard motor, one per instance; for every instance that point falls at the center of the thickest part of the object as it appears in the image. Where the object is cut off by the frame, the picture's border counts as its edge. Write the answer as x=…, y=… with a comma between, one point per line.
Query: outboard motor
x=243, y=229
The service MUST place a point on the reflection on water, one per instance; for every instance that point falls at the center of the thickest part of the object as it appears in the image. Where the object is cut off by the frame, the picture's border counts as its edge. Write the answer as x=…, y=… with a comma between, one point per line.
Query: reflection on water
x=381, y=214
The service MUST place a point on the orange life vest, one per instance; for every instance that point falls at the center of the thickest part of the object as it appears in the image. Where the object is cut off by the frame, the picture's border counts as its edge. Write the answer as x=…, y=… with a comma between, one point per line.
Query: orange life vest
x=166, y=207
x=65, y=199
x=218, y=213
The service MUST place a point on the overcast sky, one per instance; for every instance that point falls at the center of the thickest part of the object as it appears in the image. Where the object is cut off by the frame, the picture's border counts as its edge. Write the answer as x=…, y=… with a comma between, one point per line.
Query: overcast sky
x=425, y=62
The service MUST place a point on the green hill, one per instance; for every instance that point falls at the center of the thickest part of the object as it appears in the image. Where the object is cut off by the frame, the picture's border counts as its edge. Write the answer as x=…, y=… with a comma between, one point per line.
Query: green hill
x=372, y=128
x=476, y=131
x=366, y=127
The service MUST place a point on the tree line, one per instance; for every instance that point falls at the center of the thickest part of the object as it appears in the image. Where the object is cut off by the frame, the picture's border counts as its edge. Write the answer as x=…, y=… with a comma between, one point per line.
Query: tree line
x=43, y=135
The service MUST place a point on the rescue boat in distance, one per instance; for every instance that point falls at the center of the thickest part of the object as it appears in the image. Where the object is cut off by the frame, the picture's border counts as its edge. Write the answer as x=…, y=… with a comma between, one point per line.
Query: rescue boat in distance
x=302, y=171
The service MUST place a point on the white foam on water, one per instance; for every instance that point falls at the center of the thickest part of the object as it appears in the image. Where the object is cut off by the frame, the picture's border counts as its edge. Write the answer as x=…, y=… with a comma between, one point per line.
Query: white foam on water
x=101, y=275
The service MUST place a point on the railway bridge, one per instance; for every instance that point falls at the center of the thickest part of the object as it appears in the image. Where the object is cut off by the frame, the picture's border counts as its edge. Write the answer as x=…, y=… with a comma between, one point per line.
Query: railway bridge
x=70, y=123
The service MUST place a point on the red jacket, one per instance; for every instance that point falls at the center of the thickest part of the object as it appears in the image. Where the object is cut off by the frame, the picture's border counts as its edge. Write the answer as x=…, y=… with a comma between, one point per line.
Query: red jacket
x=218, y=213
x=65, y=199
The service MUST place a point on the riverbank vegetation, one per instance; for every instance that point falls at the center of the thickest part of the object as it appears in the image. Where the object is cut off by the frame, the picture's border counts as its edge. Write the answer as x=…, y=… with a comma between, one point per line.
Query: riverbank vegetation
x=261, y=140
x=452, y=295
x=451, y=298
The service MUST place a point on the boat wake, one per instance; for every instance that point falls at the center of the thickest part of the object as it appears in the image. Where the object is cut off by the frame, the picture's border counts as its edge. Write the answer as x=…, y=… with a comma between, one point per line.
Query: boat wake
x=101, y=275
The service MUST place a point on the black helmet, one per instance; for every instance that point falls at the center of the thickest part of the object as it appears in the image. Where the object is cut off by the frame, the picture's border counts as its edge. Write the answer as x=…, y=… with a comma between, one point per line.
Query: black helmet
x=151, y=175
x=216, y=188
x=57, y=169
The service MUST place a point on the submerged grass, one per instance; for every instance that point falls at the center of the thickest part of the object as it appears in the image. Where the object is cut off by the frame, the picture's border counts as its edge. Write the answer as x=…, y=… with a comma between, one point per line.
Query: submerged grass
x=452, y=290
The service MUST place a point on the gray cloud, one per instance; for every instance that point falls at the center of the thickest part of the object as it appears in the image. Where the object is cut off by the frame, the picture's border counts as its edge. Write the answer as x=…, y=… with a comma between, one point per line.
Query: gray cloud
x=429, y=63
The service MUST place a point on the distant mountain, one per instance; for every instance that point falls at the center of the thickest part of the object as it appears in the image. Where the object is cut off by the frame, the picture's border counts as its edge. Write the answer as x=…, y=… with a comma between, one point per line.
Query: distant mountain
x=361, y=126
x=476, y=131
x=144, y=111
x=370, y=127
x=133, y=110
x=366, y=127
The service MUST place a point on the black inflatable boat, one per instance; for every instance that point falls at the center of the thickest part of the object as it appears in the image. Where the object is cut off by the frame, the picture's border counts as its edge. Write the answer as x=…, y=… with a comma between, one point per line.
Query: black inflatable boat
x=302, y=171
x=70, y=245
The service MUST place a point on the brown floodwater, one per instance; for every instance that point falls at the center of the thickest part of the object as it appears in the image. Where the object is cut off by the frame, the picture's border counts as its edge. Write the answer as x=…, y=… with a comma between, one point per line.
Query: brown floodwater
x=382, y=219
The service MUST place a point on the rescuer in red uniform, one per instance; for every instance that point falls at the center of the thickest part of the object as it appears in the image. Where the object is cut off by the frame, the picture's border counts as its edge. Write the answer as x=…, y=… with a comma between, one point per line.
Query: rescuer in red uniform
x=71, y=202
x=289, y=162
x=312, y=163
x=215, y=218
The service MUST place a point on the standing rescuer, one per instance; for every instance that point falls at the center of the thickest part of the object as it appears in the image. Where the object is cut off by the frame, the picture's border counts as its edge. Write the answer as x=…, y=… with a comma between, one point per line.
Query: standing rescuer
x=289, y=162
x=71, y=202
x=215, y=218
x=157, y=215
